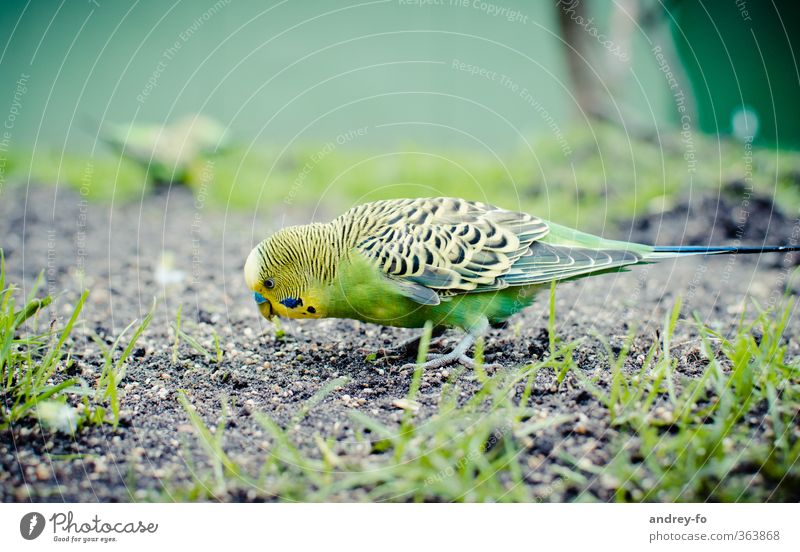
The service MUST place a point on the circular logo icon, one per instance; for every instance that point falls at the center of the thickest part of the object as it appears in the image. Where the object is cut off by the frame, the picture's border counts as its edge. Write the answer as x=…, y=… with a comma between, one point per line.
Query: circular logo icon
x=31, y=525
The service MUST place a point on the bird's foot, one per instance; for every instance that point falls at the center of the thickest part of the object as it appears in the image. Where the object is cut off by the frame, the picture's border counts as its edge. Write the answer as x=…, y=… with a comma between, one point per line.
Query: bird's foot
x=455, y=357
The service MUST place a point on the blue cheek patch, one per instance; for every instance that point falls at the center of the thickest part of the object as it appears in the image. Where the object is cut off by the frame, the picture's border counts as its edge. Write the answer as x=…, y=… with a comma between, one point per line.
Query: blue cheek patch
x=292, y=302
x=259, y=298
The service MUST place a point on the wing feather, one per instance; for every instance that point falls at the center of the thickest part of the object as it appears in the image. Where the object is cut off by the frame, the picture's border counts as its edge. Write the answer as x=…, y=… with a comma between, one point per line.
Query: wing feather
x=454, y=246
x=447, y=244
x=548, y=262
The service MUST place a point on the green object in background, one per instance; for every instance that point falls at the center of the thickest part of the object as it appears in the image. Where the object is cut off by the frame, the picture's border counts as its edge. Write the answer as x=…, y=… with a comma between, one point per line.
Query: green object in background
x=743, y=71
x=167, y=152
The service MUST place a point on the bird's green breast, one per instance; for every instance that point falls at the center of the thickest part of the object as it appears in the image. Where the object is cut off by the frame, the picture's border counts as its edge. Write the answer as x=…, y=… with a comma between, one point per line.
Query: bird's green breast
x=359, y=291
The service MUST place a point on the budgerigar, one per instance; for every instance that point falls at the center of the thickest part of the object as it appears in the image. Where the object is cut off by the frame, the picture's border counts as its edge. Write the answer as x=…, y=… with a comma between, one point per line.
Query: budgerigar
x=166, y=151
x=456, y=263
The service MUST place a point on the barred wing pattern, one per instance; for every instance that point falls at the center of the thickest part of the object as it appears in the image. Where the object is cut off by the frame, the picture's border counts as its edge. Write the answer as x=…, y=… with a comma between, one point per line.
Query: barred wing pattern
x=437, y=247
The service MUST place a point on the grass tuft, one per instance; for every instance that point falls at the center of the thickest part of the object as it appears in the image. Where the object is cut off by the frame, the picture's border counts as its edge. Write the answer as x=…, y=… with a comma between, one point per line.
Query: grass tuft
x=114, y=370
x=34, y=365
x=702, y=438
x=31, y=361
x=180, y=335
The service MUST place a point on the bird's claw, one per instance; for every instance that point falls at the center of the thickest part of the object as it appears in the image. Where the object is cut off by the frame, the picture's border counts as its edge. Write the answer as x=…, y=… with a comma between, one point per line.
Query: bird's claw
x=458, y=355
x=439, y=361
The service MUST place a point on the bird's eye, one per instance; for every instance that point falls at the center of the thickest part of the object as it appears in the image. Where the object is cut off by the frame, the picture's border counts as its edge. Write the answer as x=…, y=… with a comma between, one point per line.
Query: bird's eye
x=269, y=283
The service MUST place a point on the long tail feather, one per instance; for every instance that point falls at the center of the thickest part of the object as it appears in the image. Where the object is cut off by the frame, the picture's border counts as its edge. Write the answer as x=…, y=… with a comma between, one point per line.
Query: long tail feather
x=666, y=251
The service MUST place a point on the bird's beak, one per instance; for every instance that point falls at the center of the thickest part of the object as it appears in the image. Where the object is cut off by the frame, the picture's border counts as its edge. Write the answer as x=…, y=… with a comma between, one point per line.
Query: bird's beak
x=264, y=306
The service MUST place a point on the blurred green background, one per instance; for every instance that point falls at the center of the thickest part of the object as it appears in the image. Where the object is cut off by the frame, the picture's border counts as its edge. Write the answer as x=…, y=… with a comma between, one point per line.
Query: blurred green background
x=612, y=108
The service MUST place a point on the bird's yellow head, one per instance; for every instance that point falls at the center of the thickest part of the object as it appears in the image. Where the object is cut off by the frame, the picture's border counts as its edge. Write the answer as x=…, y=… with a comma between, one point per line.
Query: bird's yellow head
x=283, y=271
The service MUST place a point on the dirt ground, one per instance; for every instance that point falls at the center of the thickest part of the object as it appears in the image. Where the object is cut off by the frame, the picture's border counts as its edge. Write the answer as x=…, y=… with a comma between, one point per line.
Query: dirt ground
x=181, y=252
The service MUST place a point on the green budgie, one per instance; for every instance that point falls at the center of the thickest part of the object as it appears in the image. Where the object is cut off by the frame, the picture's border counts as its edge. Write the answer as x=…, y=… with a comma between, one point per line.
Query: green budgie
x=454, y=263
x=167, y=151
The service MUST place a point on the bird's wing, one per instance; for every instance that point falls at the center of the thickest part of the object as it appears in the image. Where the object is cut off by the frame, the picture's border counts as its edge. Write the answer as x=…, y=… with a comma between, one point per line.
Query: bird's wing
x=455, y=246
x=566, y=253
x=547, y=262
x=446, y=244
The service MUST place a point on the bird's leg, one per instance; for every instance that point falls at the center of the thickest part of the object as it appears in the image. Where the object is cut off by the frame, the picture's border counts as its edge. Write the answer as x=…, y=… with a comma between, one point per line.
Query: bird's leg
x=459, y=352
x=405, y=348
x=457, y=355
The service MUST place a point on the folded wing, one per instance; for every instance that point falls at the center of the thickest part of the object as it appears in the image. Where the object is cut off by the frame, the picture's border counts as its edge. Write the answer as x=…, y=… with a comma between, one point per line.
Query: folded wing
x=453, y=246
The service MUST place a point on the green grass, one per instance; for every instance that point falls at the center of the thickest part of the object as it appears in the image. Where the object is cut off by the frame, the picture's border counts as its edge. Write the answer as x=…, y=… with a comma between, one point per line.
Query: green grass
x=609, y=176
x=34, y=366
x=705, y=443
x=31, y=361
x=730, y=434
x=101, y=178
x=114, y=370
x=223, y=468
x=176, y=328
x=180, y=335
x=466, y=452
